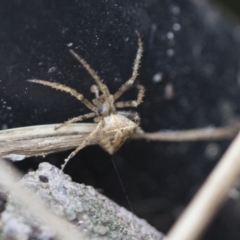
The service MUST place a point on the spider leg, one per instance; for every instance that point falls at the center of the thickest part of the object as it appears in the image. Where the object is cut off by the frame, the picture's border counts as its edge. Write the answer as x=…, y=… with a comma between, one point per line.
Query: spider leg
x=130, y=82
x=95, y=89
x=133, y=103
x=64, y=88
x=77, y=119
x=94, y=75
x=82, y=145
x=133, y=116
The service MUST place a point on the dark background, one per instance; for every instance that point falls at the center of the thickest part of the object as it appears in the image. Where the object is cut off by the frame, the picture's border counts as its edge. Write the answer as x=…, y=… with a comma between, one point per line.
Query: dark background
x=189, y=47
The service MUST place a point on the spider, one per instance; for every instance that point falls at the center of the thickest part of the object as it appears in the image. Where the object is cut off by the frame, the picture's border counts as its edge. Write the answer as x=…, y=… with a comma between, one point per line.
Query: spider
x=114, y=127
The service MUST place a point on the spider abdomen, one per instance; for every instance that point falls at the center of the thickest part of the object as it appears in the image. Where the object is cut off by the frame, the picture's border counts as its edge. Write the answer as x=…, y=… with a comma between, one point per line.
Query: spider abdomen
x=115, y=131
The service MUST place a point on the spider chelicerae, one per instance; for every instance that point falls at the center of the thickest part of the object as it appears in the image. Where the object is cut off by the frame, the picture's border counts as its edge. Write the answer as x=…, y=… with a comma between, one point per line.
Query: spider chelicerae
x=114, y=127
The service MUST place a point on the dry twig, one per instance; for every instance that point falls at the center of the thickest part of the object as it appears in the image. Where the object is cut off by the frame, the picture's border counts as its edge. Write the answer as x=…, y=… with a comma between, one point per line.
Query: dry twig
x=210, y=197
x=19, y=143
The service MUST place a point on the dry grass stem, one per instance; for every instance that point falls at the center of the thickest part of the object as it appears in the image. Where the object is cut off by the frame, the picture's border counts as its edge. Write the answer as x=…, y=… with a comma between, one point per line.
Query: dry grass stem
x=42, y=139
x=19, y=143
x=210, y=197
x=208, y=133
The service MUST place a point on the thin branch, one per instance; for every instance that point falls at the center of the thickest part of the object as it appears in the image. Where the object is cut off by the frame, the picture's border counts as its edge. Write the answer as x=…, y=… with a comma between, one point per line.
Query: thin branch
x=208, y=133
x=210, y=197
x=19, y=143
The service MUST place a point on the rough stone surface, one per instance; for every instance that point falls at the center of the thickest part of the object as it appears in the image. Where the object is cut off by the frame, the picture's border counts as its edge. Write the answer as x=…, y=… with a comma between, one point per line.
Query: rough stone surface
x=92, y=213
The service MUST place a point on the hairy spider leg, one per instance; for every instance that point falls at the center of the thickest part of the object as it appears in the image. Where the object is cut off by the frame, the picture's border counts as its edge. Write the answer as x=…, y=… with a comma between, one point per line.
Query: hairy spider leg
x=133, y=116
x=64, y=88
x=133, y=103
x=77, y=119
x=137, y=60
x=82, y=145
x=95, y=89
x=93, y=74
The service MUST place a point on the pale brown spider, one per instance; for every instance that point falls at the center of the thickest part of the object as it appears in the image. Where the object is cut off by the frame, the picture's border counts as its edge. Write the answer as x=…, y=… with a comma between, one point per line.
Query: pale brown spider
x=114, y=127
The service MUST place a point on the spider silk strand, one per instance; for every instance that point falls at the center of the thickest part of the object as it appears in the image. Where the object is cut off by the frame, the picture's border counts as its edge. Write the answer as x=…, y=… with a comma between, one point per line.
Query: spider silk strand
x=122, y=185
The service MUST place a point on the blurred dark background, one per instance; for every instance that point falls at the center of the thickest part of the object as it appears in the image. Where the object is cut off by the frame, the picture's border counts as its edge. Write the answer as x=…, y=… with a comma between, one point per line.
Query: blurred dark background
x=231, y=7
x=190, y=69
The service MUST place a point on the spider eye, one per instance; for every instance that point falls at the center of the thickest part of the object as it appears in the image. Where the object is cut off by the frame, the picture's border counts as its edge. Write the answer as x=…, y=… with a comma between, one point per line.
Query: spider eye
x=103, y=110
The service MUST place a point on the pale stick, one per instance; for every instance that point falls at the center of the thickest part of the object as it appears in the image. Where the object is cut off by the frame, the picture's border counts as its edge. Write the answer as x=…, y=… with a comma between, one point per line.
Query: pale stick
x=210, y=197
x=19, y=143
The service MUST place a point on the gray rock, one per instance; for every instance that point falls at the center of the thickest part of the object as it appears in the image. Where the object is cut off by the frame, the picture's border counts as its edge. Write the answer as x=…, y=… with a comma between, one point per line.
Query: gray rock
x=94, y=214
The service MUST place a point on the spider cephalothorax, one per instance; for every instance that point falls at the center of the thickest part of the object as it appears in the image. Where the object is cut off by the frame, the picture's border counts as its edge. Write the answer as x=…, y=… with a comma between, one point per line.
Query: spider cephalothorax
x=114, y=127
